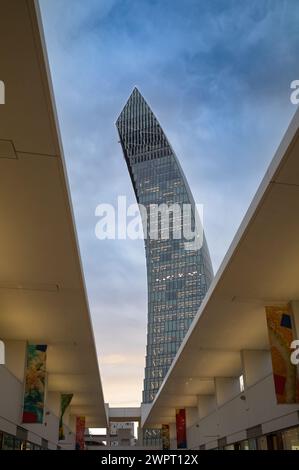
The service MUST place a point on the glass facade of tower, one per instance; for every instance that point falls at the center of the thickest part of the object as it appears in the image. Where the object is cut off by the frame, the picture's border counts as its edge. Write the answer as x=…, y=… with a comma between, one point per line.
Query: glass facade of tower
x=178, y=279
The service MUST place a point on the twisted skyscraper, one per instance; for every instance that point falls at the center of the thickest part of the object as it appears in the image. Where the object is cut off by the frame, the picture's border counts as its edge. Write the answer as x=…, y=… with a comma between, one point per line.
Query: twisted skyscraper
x=178, y=279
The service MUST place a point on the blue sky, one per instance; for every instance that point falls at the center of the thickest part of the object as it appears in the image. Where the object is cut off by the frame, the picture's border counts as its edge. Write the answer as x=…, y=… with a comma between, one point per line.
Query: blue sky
x=217, y=74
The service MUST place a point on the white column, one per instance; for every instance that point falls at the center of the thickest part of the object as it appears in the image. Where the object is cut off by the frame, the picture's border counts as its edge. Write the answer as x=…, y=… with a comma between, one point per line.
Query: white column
x=191, y=416
x=226, y=388
x=172, y=435
x=139, y=435
x=256, y=365
x=206, y=404
x=192, y=427
x=72, y=423
x=15, y=358
x=53, y=402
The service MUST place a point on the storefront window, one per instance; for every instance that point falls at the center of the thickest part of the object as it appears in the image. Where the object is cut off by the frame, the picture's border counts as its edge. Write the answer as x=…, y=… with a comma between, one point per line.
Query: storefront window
x=290, y=439
x=18, y=444
x=274, y=441
x=252, y=444
x=29, y=446
x=8, y=442
x=244, y=445
x=229, y=447
x=262, y=443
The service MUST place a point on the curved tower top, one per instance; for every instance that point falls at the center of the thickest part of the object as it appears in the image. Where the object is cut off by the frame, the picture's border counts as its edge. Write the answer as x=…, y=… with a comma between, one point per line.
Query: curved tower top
x=178, y=279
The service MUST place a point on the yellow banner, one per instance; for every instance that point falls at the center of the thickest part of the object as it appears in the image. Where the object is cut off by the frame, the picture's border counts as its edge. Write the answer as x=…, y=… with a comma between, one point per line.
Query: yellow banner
x=165, y=437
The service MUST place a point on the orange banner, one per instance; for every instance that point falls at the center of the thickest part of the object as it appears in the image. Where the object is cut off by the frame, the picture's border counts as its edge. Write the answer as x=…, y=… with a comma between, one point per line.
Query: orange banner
x=165, y=437
x=281, y=334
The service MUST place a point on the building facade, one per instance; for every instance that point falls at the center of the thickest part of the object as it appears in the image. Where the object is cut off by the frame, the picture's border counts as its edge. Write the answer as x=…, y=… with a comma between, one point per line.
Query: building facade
x=122, y=434
x=178, y=278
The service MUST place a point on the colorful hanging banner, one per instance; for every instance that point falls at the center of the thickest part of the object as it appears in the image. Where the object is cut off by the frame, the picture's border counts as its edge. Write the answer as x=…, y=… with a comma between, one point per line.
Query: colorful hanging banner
x=281, y=334
x=181, y=428
x=35, y=381
x=80, y=428
x=165, y=437
x=65, y=400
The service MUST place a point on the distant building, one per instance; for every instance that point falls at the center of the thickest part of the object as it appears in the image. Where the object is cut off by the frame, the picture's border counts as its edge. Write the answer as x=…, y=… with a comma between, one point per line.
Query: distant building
x=122, y=434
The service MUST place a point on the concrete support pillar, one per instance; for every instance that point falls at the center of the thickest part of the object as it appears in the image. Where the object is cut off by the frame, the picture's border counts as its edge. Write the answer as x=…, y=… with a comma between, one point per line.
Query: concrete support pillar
x=12, y=384
x=256, y=365
x=53, y=402
x=108, y=435
x=51, y=417
x=172, y=435
x=139, y=435
x=108, y=440
x=15, y=358
x=72, y=423
x=206, y=404
x=192, y=427
x=226, y=388
x=69, y=422
x=191, y=416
